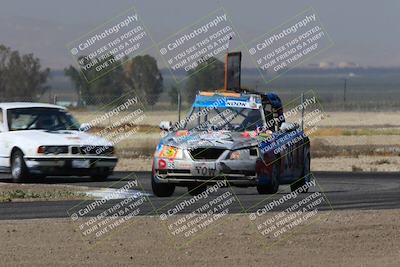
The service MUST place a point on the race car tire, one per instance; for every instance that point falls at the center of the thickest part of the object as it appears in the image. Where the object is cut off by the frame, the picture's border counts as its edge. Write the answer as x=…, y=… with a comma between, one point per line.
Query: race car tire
x=196, y=189
x=19, y=171
x=305, y=176
x=273, y=186
x=162, y=190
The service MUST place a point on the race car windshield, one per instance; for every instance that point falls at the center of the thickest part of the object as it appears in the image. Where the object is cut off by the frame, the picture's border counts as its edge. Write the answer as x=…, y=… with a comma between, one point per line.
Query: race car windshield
x=223, y=118
x=50, y=119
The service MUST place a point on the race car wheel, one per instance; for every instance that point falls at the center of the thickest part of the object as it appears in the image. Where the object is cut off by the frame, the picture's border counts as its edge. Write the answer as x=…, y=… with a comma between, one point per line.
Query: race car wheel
x=305, y=176
x=19, y=171
x=162, y=190
x=273, y=186
x=196, y=189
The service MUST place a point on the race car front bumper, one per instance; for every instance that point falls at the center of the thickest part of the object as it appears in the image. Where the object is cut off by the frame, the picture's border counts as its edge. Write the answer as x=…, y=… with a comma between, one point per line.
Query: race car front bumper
x=236, y=172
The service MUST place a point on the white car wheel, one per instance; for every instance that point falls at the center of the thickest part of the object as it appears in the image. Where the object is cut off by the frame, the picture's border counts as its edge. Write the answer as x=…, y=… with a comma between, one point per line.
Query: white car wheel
x=19, y=170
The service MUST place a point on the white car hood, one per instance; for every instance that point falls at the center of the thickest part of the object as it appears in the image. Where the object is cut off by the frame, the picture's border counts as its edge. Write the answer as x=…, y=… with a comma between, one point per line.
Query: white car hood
x=63, y=137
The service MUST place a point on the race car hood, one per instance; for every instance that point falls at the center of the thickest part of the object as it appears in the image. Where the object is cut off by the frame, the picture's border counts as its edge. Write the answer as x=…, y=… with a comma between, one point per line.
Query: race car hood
x=221, y=139
x=62, y=137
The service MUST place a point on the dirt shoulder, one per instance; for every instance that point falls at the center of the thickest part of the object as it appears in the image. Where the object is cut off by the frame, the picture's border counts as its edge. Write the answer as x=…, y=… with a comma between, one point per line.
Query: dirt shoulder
x=355, y=238
x=357, y=164
x=40, y=192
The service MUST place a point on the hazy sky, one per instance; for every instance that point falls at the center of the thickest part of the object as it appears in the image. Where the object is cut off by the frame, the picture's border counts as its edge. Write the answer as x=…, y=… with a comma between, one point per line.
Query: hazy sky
x=364, y=31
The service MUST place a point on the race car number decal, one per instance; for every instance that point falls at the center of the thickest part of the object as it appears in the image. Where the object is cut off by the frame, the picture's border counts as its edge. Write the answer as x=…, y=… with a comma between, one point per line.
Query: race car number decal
x=204, y=171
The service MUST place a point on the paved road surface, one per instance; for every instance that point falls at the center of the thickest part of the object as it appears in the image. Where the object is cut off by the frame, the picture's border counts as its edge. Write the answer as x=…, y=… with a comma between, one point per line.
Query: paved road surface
x=341, y=190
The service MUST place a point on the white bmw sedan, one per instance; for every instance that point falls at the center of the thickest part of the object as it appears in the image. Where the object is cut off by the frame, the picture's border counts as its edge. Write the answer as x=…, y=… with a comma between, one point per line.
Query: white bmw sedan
x=38, y=140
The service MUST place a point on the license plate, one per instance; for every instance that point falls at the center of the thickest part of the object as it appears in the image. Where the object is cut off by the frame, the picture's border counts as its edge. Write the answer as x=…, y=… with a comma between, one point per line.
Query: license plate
x=204, y=169
x=81, y=164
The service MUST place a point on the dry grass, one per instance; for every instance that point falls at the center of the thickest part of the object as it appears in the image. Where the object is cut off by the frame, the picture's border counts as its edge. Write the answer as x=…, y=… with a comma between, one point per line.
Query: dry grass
x=322, y=148
x=39, y=192
x=139, y=148
x=327, y=132
x=381, y=162
x=356, y=169
x=361, y=119
x=335, y=131
x=361, y=163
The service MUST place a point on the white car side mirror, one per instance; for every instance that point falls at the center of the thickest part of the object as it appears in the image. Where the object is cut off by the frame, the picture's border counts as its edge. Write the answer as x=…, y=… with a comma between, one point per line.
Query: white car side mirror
x=84, y=127
x=165, y=125
x=1, y=127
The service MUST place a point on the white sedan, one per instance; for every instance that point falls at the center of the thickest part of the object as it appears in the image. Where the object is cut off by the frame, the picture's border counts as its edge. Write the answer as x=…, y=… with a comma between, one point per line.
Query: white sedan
x=38, y=140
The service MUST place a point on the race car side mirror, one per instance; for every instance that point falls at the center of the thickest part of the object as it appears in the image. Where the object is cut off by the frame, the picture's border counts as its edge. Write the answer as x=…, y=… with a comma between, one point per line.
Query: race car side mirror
x=165, y=125
x=287, y=126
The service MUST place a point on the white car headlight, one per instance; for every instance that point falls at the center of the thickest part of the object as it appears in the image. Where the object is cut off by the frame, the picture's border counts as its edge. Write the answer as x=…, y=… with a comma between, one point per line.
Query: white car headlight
x=52, y=150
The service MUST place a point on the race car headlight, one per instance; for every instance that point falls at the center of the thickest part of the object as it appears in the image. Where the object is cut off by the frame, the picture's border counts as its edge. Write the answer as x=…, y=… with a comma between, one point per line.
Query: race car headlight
x=243, y=154
x=238, y=154
x=235, y=155
x=170, y=152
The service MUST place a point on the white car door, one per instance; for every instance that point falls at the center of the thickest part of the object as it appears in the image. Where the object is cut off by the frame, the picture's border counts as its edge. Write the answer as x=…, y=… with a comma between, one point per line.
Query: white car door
x=4, y=160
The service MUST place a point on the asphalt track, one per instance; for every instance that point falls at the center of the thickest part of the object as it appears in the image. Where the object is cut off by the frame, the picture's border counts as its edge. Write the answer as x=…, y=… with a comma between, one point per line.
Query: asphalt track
x=341, y=191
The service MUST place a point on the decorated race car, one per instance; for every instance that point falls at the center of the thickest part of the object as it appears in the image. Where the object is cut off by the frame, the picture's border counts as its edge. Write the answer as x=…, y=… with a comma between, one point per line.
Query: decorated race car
x=240, y=137
x=37, y=140
x=235, y=135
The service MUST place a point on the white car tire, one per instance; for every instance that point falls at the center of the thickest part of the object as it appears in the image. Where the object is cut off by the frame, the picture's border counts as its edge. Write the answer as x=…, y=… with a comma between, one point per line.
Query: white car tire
x=19, y=171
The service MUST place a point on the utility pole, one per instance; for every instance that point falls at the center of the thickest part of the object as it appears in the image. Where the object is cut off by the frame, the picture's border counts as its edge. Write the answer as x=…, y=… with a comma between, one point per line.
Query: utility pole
x=179, y=105
x=344, y=91
x=302, y=111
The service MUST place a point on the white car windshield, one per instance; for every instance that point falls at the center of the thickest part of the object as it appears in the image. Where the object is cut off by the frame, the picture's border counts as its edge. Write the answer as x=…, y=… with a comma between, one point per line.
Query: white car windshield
x=226, y=118
x=50, y=119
